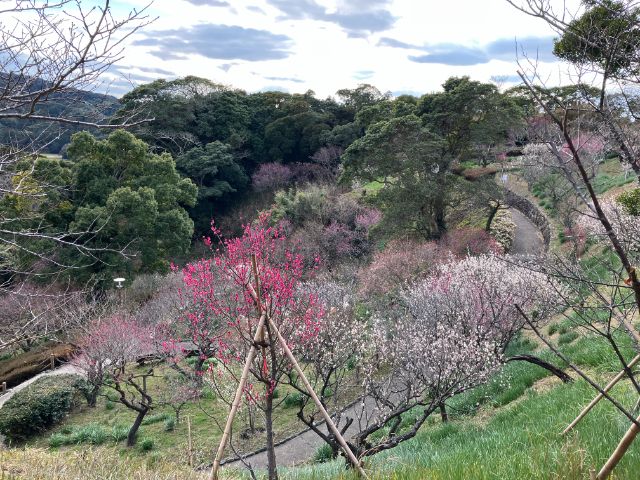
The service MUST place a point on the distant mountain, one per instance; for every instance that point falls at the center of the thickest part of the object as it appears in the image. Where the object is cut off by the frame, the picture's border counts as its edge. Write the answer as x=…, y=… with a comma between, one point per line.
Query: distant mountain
x=53, y=136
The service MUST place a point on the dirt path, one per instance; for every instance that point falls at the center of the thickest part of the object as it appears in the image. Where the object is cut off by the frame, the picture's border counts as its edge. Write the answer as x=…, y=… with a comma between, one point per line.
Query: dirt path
x=528, y=239
x=63, y=370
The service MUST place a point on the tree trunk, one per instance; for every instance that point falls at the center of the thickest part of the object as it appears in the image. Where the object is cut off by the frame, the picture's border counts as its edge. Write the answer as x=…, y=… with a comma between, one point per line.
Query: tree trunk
x=133, y=431
x=541, y=363
x=443, y=413
x=271, y=451
x=492, y=214
x=439, y=210
x=92, y=398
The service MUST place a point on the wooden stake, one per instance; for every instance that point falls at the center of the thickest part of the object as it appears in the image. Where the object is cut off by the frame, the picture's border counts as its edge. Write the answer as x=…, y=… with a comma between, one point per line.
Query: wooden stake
x=352, y=458
x=619, y=452
x=189, y=442
x=592, y=474
x=4, y=386
x=52, y=360
x=600, y=396
x=236, y=401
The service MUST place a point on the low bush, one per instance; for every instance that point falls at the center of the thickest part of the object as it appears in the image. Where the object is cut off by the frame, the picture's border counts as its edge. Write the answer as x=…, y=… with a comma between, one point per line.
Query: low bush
x=323, y=454
x=146, y=445
x=567, y=338
x=503, y=229
x=170, y=424
x=293, y=400
x=89, y=434
x=39, y=406
x=156, y=418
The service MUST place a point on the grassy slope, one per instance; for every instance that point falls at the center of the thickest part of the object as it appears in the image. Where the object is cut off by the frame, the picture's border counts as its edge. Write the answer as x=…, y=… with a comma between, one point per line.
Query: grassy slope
x=513, y=432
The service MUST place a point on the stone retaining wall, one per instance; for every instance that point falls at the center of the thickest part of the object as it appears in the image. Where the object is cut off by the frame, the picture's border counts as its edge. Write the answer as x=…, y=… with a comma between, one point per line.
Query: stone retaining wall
x=532, y=212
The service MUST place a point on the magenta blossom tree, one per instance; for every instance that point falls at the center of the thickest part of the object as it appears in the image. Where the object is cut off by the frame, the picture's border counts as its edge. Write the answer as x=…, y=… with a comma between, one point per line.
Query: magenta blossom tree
x=228, y=295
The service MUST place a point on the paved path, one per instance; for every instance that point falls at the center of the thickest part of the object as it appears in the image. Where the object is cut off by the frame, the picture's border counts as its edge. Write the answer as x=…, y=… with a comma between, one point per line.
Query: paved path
x=65, y=369
x=528, y=239
x=301, y=448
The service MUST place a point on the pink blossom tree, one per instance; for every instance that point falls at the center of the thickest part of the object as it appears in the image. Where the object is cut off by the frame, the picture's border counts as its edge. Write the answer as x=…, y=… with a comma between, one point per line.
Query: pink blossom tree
x=450, y=337
x=231, y=294
x=108, y=356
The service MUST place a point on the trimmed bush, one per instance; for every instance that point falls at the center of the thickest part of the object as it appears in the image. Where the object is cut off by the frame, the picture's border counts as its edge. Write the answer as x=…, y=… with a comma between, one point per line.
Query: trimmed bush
x=39, y=406
x=157, y=418
x=170, y=424
x=566, y=338
x=323, y=454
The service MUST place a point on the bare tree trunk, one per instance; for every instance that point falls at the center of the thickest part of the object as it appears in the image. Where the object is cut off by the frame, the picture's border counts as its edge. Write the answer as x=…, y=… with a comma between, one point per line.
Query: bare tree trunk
x=271, y=450
x=133, y=431
x=443, y=413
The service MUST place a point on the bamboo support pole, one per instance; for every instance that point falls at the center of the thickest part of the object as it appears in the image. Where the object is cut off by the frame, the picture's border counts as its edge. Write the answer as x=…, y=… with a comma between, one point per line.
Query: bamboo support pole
x=258, y=336
x=190, y=441
x=600, y=396
x=352, y=458
x=236, y=401
x=619, y=452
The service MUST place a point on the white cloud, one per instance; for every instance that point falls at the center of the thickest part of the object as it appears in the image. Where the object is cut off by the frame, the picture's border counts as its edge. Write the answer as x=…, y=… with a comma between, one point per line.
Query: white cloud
x=326, y=45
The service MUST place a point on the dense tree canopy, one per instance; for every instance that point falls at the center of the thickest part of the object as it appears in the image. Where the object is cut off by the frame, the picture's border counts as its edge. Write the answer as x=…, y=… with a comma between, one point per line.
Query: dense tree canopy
x=126, y=196
x=413, y=165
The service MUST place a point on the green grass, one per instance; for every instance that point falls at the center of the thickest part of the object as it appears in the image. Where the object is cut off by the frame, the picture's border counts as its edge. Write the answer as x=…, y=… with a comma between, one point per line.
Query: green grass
x=518, y=442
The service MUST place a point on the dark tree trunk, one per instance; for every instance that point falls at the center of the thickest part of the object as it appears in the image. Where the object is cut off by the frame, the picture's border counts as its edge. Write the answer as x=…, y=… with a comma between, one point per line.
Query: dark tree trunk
x=92, y=398
x=271, y=451
x=541, y=363
x=443, y=413
x=133, y=431
x=492, y=214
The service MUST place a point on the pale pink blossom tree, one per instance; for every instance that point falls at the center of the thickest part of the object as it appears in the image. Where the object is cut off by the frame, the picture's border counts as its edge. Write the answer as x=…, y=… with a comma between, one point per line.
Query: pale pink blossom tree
x=450, y=338
x=108, y=356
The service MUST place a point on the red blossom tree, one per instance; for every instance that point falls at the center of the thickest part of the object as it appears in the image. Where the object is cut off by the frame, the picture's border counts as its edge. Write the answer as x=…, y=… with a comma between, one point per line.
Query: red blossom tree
x=228, y=294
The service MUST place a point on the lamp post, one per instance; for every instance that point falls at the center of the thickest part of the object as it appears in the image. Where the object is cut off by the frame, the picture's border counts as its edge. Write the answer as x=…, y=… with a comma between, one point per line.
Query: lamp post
x=119, y=284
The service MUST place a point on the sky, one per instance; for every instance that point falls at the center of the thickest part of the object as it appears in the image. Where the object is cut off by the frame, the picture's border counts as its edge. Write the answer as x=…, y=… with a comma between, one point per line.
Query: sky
x=400, y=46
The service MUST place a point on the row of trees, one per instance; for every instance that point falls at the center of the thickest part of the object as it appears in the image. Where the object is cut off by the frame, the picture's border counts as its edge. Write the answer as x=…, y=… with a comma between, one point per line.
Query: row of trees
x=437, y=337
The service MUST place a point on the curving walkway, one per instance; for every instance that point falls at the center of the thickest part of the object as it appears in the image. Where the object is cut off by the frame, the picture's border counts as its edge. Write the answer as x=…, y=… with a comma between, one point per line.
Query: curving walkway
x=301, y=448
x=63, y=370
x=528, y=239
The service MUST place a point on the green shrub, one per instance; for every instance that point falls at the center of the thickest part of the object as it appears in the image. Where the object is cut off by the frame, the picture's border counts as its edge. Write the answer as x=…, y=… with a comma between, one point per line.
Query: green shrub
x=323, y=454
x=91, y=433
x=293, y=400
x=156, y=418
x=39, y=406
x=57, y=440
x=109, y=405
x=146, y=445
x=170, y=424
x=119, y=432
x=631, y=201
x=566, y=338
